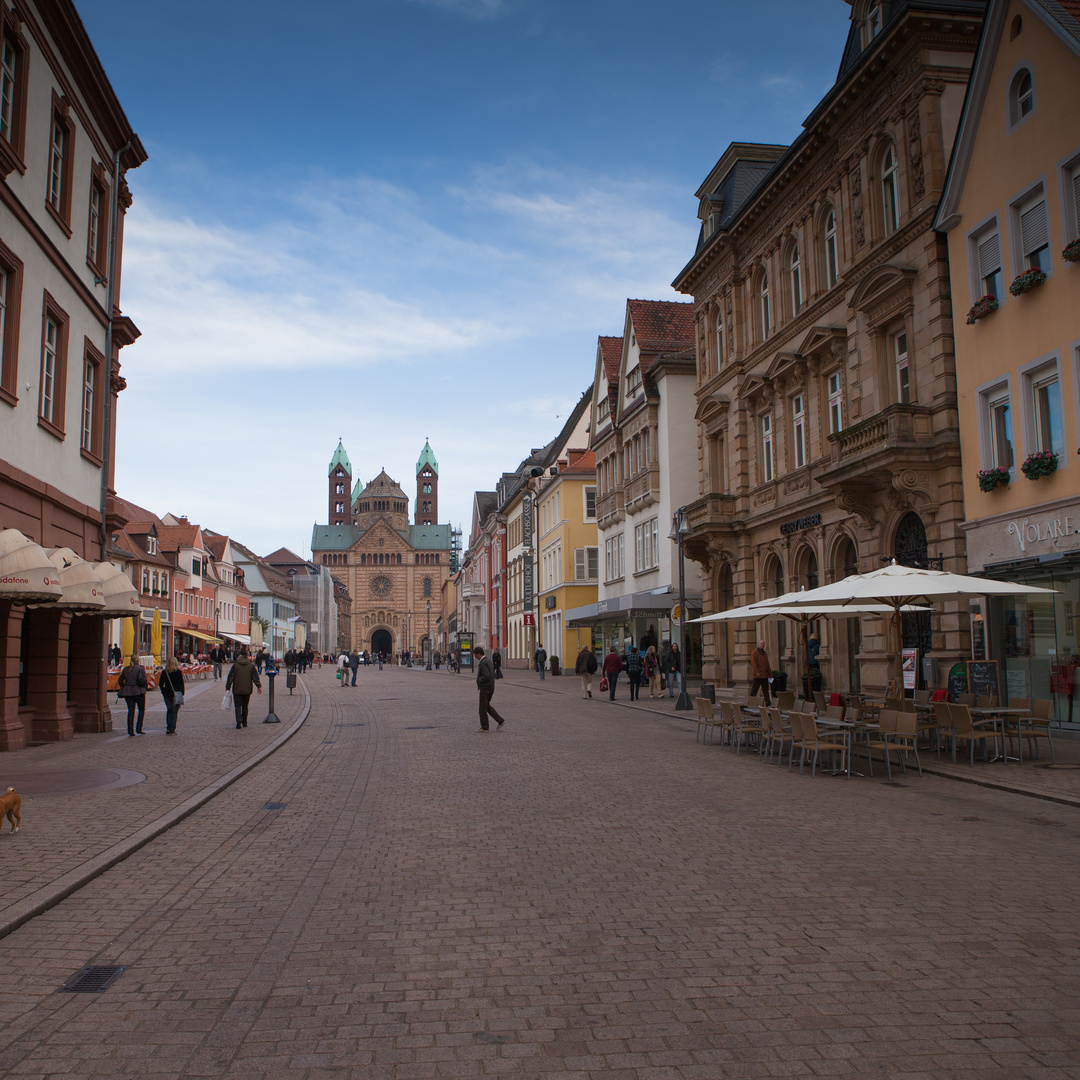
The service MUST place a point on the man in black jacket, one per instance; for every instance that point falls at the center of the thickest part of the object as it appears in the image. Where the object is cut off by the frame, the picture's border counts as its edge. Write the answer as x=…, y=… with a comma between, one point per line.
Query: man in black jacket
x=485, y=683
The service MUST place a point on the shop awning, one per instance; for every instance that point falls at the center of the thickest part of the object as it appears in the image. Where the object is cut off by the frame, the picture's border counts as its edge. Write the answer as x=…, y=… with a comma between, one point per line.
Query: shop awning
x=83, y=590
x=242, y=639
x=198, y=634
x=121, y=597
x=642, y=605
x=26, y=574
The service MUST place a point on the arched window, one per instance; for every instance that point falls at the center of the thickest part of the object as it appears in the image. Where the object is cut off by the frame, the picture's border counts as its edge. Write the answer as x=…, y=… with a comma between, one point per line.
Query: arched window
x=890, y=190
x=766, y=310
x=427, y=586
x=795, y=273
x=1021, y=96
x=831, y=261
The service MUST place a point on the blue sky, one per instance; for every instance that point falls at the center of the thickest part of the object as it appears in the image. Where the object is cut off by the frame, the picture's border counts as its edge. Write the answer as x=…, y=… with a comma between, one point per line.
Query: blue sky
x=388, y=220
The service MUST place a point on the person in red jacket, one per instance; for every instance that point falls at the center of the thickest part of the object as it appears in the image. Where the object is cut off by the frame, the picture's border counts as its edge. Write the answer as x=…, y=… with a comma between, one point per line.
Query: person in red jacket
x=761, y=670
x=612, y=666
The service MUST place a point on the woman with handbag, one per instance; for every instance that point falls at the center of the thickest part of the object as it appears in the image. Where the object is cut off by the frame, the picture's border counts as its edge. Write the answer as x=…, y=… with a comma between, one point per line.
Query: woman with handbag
x=171, y=685
x=131, y=686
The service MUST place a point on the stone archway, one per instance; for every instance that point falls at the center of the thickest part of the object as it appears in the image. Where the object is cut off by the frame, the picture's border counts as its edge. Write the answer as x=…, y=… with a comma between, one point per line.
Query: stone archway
x=382, y=642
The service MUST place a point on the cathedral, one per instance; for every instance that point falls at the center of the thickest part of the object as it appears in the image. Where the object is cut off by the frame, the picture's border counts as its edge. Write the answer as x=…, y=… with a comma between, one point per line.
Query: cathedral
x=394, y=569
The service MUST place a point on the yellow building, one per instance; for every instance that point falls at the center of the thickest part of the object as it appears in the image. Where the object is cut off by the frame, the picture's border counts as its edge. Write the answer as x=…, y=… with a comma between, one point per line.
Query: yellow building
x=569, y=567
x=1010, y=208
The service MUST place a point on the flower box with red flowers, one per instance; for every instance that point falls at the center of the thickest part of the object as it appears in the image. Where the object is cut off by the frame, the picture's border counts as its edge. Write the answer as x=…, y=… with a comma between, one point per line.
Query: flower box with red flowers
x=1040, y=464
x=1028, y=280
x=1071, y=253
x=981, y=308
x=989, y=479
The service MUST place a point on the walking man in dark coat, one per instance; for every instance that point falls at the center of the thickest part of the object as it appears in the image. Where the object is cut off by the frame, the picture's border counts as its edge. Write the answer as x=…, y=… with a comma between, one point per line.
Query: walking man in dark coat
x=485, y=683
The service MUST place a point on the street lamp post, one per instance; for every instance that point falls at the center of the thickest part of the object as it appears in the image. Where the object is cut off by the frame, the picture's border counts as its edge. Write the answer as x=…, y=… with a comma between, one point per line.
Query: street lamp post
x=679, y=528
x=408, y=639
x=427, y=604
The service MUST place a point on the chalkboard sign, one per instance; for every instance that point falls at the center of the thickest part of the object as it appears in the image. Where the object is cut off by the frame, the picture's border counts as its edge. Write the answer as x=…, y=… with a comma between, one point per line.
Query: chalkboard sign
x=958, y=681
x=983, y=678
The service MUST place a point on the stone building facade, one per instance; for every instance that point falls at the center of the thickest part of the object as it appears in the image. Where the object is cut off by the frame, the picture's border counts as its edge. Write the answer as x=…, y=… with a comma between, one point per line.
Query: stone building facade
x=393, y=571
x=826, y=388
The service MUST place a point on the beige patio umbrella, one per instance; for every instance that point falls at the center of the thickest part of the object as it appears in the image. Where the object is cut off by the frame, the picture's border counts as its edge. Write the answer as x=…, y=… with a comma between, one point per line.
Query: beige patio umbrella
x=26, y=574
x=127, y=639
x=83, y=590
x=256, y=634
x=155, y=637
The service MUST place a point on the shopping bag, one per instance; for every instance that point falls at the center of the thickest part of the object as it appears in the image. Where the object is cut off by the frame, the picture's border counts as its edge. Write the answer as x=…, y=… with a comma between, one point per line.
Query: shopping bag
x=226, y=701
x=603, y=684
x=339, y=675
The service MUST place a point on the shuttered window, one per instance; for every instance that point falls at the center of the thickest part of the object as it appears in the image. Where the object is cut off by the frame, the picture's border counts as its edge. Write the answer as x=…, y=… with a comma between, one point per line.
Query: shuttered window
x=989, y=260
x=1035, y=234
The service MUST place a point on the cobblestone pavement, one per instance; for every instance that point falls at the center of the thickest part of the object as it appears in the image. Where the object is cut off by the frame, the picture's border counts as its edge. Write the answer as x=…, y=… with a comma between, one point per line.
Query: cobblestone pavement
x=586, y=893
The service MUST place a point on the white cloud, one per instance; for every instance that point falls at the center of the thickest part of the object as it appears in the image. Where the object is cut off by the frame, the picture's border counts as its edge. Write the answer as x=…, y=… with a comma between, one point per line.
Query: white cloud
x=473, y=9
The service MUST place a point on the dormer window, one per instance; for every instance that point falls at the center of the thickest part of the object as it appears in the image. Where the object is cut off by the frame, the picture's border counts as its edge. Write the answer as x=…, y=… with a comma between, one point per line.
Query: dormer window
x=633, y=381
x=873, y=23
x=603, y=409
x=151, y=545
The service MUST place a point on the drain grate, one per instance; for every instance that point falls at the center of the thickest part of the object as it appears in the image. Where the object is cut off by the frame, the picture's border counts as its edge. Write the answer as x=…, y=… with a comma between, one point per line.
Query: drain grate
x=274, y=806
x=93, y=979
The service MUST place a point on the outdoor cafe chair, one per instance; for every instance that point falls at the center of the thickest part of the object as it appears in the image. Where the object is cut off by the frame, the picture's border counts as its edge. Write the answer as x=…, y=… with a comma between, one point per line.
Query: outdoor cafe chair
x=705, y=718
x=835, y=712
x=819, y=699
x=812, y=742
x=906, y=739
x=964, y=729
x=808, y=707
x=727, y=720
x=879, y=739
x=1035, y=727
x=777, y=733
x=785, y=699
x=922, y=697
x=966, y=699
x=797, y=721
x=742, y=726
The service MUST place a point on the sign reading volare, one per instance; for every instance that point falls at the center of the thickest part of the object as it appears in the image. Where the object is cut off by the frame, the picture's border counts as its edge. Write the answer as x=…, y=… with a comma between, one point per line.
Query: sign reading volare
x=799, y=524
x=1042, y=530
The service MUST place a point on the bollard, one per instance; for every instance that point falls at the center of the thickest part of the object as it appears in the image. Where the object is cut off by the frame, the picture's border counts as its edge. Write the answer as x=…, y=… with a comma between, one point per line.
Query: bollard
x=271, y=716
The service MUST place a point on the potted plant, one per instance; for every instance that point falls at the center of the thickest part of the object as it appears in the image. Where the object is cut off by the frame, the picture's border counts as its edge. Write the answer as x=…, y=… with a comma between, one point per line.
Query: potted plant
x=815, y=681
x=1041, y=463
x=981, y=308
x=555, y=668
x=989, y=479
x=1072, y=251
x=1028, y=280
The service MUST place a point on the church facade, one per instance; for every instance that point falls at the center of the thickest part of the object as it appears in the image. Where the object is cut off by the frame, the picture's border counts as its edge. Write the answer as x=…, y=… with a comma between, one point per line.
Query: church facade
x=394, y=569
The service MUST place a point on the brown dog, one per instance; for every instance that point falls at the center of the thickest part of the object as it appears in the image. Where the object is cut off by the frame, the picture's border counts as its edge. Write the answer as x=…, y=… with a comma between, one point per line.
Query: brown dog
x=10, y=805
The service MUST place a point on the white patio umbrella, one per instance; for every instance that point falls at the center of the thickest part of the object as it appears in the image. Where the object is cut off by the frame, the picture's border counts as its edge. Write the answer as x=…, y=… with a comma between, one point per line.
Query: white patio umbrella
x=897, y=587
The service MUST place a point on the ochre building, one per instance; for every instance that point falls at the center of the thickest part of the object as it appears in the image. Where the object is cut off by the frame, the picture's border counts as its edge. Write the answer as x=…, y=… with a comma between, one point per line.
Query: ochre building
x=393, y=569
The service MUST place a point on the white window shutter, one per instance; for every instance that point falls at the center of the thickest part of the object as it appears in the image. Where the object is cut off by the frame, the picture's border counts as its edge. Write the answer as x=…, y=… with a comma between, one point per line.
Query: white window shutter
x=989, y=255
x=1034, y=227
x=579, y=564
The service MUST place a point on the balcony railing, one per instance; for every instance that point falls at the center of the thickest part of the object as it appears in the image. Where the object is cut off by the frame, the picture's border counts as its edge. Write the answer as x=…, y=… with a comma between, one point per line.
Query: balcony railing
x=471, y=589
x=712, y=511
x=896, y=426
x=611, y=506
x=644, y=488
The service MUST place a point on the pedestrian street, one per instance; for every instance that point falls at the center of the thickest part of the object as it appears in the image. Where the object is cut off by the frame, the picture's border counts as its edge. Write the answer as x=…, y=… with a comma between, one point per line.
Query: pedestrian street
x=585, y=893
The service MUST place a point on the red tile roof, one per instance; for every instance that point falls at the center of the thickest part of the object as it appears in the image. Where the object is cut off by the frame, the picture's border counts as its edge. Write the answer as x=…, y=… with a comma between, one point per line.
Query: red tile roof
x=662, y=325
x=611, y=351
x=216, y=544
x=174, y=537
x=1072, y=7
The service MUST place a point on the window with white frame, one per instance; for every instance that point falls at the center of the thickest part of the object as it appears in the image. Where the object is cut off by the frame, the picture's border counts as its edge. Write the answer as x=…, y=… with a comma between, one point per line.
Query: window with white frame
x=1045, y=405
x=719, y=340
x=586, y=564
x=646, y=545
x=613, y=557
x=890, y=190
x=1070, y=186
x=1021, y=96
x=903, y=371
x=985, y=256
x=7, y=89
x=766, y=310
x=603, y=410
x=795, y=277
x=835, y=385
x=798, y=425
x=89, y=400
x=997, y=416
x=1034, y=231
x=633, y=381
x=768, y=463
x=590, y=503
x=831, y=261
x=873, y=23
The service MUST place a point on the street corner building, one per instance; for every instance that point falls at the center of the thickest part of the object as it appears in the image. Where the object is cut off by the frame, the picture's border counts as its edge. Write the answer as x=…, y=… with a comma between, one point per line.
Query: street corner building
x=826, y=404
x=65, y=150
x=393, y=570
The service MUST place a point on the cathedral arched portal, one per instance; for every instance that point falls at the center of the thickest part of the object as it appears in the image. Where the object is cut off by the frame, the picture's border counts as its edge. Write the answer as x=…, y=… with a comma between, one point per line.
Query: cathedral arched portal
x=382, y=642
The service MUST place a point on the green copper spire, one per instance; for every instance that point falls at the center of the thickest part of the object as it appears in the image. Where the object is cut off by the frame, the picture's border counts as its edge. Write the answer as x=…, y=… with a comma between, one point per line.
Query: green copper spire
x=339, y=458
x=427, y=458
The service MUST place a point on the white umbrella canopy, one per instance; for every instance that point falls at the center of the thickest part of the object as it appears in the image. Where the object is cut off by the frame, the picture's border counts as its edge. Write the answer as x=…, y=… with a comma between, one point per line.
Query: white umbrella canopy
x=26, y=574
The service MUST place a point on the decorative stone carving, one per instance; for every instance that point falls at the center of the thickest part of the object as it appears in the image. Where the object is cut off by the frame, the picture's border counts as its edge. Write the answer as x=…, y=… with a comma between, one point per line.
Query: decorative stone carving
x=796, y=483
x=857, y=205
x=918, y=181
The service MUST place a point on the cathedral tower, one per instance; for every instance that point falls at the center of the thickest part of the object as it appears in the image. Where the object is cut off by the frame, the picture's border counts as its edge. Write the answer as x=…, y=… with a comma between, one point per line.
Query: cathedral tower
x=339, y=487
x=427, y=488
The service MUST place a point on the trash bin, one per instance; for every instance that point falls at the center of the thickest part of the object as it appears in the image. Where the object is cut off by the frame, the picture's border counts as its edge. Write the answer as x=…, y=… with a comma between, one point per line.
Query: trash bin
x=708, y=690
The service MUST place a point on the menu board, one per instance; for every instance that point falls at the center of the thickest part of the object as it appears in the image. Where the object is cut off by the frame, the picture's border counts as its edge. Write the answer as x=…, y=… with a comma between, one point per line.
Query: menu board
x=983, y=678
x=958, y=681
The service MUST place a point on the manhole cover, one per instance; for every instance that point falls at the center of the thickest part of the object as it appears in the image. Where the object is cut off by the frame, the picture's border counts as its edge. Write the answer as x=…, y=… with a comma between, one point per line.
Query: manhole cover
x=274, y=806
x=93, y=979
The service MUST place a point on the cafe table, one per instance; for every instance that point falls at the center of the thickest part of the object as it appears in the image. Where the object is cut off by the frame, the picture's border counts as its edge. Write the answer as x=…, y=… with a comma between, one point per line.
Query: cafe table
x=998, y=714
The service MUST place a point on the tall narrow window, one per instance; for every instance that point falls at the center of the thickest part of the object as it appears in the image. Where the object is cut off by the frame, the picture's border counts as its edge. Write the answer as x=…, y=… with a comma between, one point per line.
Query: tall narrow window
x=766, y=313
x=58, y=179
x=890, y=191
x=1001, y=448
x=50, y=370
x=1072, y=189
x=88, y=403
x=10, y=297
x=7, y=89
x=988, y=255
x=1046, y=394
x=873, y=22
x=56, y=164
x=831, y=262
x=795, y=270
x=798, y=420
x=836, y=403
x=720, y=339
x=1035, y=233
x=768, y=464
x=1021, y=96
x=13, y=87
x=903, y=374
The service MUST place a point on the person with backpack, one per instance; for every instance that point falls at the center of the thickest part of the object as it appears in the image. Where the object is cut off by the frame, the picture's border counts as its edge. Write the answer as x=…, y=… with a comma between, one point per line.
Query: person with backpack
x=541, y=660
x=634, y=669
x=585, y=666
x=612, y=666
